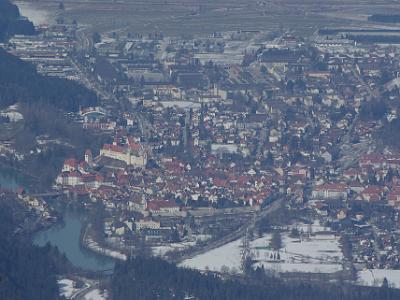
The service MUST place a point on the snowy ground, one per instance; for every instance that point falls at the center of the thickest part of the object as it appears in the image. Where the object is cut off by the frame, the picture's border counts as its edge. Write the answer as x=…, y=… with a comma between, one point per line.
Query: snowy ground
x=12, y=113
x=374, y=277
x=96, y=294
x=163, y=249
x=67, y=288
x=14, y=116
x=228, y=255
x=93, y=245
x=317, y=253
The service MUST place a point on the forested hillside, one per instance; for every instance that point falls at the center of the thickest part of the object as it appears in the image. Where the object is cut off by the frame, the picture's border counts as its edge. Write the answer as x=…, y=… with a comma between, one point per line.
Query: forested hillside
x=153, y=278
x=11, y=22
x=19, y=82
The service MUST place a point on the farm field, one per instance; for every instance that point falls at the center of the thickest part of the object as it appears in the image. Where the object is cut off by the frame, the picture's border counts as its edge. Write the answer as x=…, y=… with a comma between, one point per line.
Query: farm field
x=178, y=17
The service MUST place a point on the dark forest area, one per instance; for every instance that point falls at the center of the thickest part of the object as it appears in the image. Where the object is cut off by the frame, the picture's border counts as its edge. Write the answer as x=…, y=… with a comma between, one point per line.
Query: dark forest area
x=153, y=278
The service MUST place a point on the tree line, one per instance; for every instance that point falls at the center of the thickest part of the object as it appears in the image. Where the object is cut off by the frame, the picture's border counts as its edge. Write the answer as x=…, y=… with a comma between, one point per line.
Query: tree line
x=384, y=18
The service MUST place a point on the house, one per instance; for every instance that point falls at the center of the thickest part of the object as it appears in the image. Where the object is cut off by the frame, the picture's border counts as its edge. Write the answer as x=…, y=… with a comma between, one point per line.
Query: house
x=376, y=161
x=331, y=191
x=162, y=207
x=70, y=165
x=356, y=187
x=69, y=178
x=351, y=174
x=119, y=228
x=393, y=199
x=147, y=223
x=372, y=193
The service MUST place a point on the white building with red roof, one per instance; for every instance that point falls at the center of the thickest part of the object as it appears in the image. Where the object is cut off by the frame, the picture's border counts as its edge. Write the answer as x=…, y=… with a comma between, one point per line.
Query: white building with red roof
x=162, y=207
x=331, y=191
x=70, y=165
x=69, y=178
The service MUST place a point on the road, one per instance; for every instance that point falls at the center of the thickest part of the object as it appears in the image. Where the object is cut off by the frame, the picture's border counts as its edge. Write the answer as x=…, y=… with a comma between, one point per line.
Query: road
x=91, y=83
x=351, y=153
x=91, y=285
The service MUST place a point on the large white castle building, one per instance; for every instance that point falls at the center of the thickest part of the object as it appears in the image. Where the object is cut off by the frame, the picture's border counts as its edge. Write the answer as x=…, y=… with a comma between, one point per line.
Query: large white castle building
x=132, y=153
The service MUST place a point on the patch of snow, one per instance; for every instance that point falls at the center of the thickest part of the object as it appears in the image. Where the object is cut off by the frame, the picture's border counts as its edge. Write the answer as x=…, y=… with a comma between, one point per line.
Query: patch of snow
x=93, y=245
x=163, y=249
x=67, y=287
x=224, y=148
x=228, y=255
x=181, y=104
x=374, y=277
x=96, y=294
x=14, y=116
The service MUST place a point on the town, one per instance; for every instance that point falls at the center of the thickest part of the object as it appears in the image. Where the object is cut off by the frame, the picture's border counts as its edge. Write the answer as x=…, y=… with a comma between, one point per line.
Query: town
x=229, y=140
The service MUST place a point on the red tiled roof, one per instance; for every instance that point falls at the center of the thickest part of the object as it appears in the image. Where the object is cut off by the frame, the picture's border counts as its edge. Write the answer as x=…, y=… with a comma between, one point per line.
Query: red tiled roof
x=72, y=162
x=155, y=205
x=113, y=148
x=332, y=187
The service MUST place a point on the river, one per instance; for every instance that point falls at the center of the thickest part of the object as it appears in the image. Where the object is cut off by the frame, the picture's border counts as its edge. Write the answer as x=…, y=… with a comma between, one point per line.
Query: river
x=65, y=234
x=11, y=180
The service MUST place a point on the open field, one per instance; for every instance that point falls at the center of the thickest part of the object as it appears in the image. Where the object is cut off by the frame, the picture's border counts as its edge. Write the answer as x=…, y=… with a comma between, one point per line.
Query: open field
x=319, y=253
x=175, y=17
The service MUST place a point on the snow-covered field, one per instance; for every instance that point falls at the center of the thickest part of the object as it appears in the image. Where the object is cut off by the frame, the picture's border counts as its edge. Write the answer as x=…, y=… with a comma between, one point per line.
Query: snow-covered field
x=228, y=255
x=317, y=253
x=374, y=277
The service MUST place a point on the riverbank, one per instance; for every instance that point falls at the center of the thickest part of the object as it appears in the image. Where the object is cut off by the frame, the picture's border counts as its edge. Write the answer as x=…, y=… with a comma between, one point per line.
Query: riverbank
x=88, y=241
